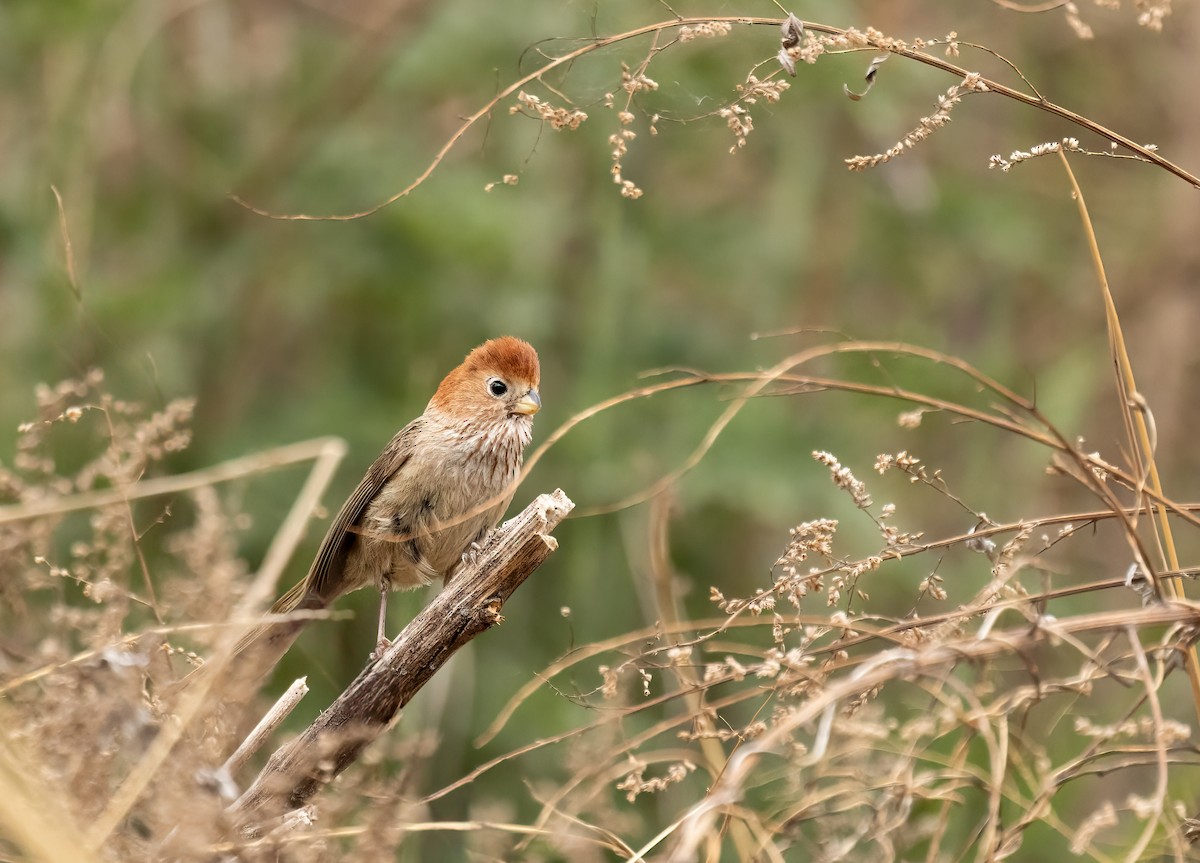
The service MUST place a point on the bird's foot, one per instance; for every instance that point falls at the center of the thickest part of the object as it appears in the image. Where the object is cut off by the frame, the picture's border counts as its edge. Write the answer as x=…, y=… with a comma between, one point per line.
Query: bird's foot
x=471, y=556
x=380, y=647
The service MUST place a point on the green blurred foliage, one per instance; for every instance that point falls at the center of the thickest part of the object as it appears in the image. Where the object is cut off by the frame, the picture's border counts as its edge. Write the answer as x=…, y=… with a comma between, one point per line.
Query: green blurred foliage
x=145, y=114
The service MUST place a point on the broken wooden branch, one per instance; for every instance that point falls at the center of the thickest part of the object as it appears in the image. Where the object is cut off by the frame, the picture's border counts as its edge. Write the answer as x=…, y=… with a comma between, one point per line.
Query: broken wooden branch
x=470, y=604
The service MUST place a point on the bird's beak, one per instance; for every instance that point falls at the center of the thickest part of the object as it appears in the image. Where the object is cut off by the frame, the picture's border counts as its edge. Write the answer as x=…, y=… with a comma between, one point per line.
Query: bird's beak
x=528, y=404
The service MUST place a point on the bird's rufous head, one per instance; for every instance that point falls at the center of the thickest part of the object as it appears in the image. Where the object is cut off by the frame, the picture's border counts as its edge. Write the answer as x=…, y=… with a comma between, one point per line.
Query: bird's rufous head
x=497, y=380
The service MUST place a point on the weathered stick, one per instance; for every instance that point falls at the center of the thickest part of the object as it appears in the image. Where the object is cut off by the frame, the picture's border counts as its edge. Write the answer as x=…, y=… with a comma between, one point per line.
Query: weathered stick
x=467, y=606
x=266, y=726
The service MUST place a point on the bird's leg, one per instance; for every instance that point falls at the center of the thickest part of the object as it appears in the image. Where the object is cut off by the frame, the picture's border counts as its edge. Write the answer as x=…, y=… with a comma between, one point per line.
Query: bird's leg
x=383, y=643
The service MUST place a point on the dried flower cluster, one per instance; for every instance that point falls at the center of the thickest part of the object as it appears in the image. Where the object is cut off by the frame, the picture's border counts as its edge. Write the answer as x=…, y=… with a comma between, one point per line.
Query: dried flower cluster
x=740, y=122
x=636, y=82
x=738, y=118
x=813, y=45
x=797, y=577
x=753, y=89
x=1068, y=145
x=844, y=479
x=632, y=83
x=507, y=180
x=1150, y=14
x=620, y=146
x=558, y=117
x=704, y=30
x=636, y=784
x=893, y=537
x=972, y=83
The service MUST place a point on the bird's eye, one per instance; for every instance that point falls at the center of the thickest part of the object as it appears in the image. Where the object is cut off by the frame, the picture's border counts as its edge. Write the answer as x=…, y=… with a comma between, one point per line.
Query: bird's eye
x=497, y=387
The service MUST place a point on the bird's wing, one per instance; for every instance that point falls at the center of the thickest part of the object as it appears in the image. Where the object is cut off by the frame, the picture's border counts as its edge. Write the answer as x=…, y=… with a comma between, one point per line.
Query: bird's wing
x=324, y=576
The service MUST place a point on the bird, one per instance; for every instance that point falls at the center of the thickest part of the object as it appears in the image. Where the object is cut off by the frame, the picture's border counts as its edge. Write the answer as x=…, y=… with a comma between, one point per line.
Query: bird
x=429, y=498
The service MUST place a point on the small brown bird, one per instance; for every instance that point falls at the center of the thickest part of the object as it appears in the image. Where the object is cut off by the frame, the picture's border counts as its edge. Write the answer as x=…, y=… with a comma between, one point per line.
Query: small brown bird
x=435, y=491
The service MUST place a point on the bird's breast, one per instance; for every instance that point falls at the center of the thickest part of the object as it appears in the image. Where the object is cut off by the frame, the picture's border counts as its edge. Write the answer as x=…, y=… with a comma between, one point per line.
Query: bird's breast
x=450, y=491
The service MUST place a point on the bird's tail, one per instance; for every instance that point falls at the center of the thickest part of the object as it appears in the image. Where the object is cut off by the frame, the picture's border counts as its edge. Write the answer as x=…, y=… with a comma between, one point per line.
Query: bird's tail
x=279, y=634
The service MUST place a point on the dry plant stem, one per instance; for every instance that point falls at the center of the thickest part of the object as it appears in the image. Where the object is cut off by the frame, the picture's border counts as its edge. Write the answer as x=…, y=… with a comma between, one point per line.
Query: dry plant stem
x=315, y=836
x=469, y=605
x=610, y=839
x=260, y=462
x=266, y=726
x=956, y=763
x=630, y=744
x=134, y=537
x=195, y=697
x=1032, y=7
x=602, y=772
x=998, y=760
x=668, y=612
x=1126, y=384
x=68, y=249
x=898, y=663
x=607, y=839
x=1135, y=419
x=1160, y=793
x=599, y=44
x=134, y=638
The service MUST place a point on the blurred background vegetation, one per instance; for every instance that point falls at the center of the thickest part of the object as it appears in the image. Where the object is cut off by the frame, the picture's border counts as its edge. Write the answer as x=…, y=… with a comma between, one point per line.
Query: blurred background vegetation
x=146, y=114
